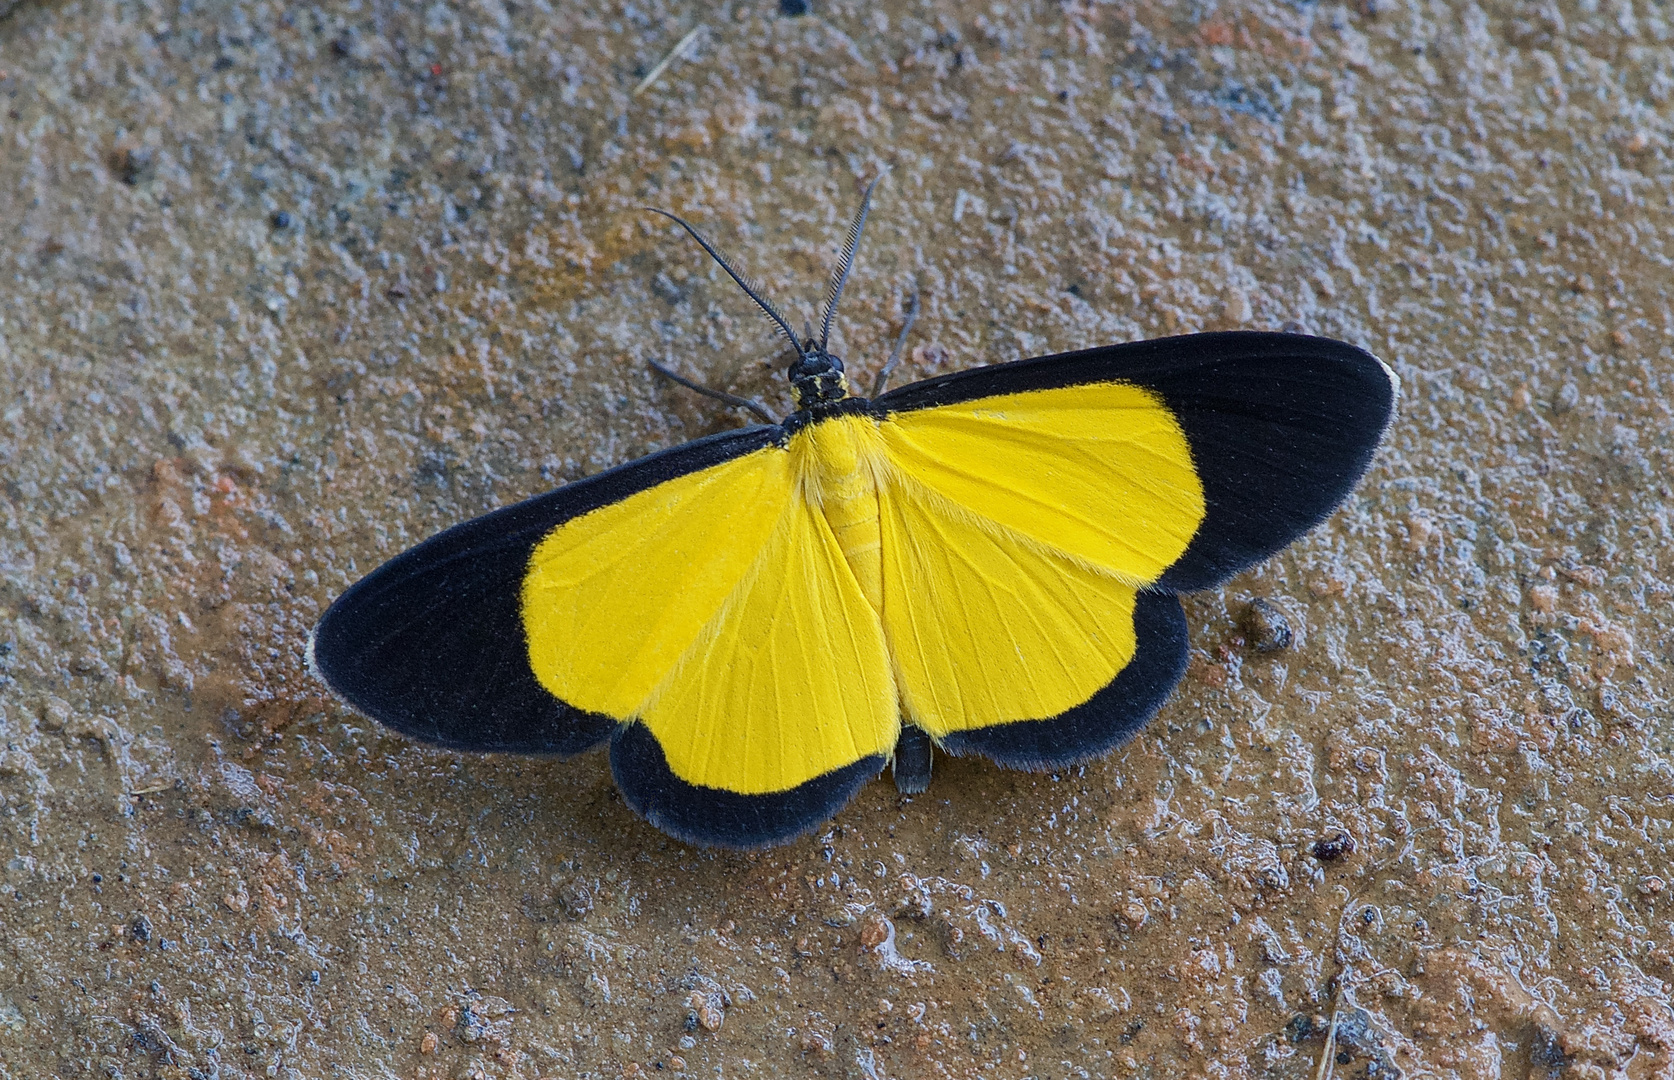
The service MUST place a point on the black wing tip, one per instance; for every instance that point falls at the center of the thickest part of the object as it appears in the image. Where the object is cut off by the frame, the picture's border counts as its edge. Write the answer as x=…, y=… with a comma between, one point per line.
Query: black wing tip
x=531, y=723
x=1227, y=544
x=322, y=662
x=1112, y=716
x=1393, y=377
x=711, y=817
x=310, y=661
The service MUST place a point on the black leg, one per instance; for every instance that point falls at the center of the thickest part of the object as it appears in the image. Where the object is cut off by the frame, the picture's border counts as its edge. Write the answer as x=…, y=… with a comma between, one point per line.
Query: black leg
x=881, y=379
x=719, y=395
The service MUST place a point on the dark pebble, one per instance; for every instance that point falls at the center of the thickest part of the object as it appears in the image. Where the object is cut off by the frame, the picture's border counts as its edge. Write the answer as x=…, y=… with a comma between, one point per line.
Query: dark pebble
x=1334, y=847
x=1265, y=627
x=793, y=8
x=1547, y=1048
x=281, y=219
x=135, y=165
x=575, y=899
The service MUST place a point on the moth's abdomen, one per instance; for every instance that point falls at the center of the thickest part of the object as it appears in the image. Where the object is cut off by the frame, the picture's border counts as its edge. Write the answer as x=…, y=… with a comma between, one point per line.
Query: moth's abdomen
x=842, y=456
x=854, y=518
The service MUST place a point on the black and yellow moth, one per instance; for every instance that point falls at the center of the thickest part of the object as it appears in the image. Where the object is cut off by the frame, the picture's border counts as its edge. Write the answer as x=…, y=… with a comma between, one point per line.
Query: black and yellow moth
x=759, y=621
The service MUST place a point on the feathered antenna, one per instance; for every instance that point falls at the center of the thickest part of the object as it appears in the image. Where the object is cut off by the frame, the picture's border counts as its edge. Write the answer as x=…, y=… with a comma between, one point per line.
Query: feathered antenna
x=840, y=276
x=750, y=288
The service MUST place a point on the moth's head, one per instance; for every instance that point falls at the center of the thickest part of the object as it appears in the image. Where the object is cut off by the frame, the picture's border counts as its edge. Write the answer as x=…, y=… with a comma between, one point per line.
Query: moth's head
x=816, y=377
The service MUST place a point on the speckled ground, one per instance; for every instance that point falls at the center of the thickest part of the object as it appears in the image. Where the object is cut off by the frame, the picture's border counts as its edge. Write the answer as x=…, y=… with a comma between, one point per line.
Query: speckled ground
x=288, y=288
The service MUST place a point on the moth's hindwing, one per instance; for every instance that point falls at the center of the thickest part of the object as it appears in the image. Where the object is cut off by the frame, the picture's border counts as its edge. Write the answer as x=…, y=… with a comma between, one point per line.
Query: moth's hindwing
x=1113, y=715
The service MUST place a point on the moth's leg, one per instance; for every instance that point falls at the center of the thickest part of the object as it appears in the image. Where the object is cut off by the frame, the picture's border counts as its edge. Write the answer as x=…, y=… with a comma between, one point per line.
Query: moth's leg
x=881, y=379
x=719, y=395
x=912, y=760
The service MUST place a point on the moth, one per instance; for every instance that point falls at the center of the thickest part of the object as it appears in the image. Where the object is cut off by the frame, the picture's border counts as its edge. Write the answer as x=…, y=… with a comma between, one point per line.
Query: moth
x=758, y=622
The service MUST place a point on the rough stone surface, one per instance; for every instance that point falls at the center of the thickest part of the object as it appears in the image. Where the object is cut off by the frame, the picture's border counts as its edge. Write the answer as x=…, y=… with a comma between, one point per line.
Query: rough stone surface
x=288, y=288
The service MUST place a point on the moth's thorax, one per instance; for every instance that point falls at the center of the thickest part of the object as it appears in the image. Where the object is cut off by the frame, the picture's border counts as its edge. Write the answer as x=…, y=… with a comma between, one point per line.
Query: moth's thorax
x=817, y=378
x=840, y=464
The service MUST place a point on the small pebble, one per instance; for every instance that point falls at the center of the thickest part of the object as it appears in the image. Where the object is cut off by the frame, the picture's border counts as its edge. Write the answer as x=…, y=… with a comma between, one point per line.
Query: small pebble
x=135, y=165
x=706, y=1011
x=1334, y=847
x=875, y=930
x=1265, y=626
x=576, y=899
x=281, y=219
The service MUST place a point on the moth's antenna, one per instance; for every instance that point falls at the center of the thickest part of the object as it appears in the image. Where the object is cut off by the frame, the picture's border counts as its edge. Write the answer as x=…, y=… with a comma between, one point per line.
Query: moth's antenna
x=840, y=276
x=750, y=288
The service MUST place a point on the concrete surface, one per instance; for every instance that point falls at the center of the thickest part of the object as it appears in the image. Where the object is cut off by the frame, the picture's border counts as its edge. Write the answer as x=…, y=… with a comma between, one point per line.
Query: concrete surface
x=289, y=287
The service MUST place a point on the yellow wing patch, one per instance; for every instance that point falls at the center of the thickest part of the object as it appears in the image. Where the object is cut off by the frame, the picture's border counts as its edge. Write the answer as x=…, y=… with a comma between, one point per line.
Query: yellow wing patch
x=717, y=609
x=1101, y=472
x=1016, y=529
x=793, y=681
x=614, y=598
x=987, y=628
